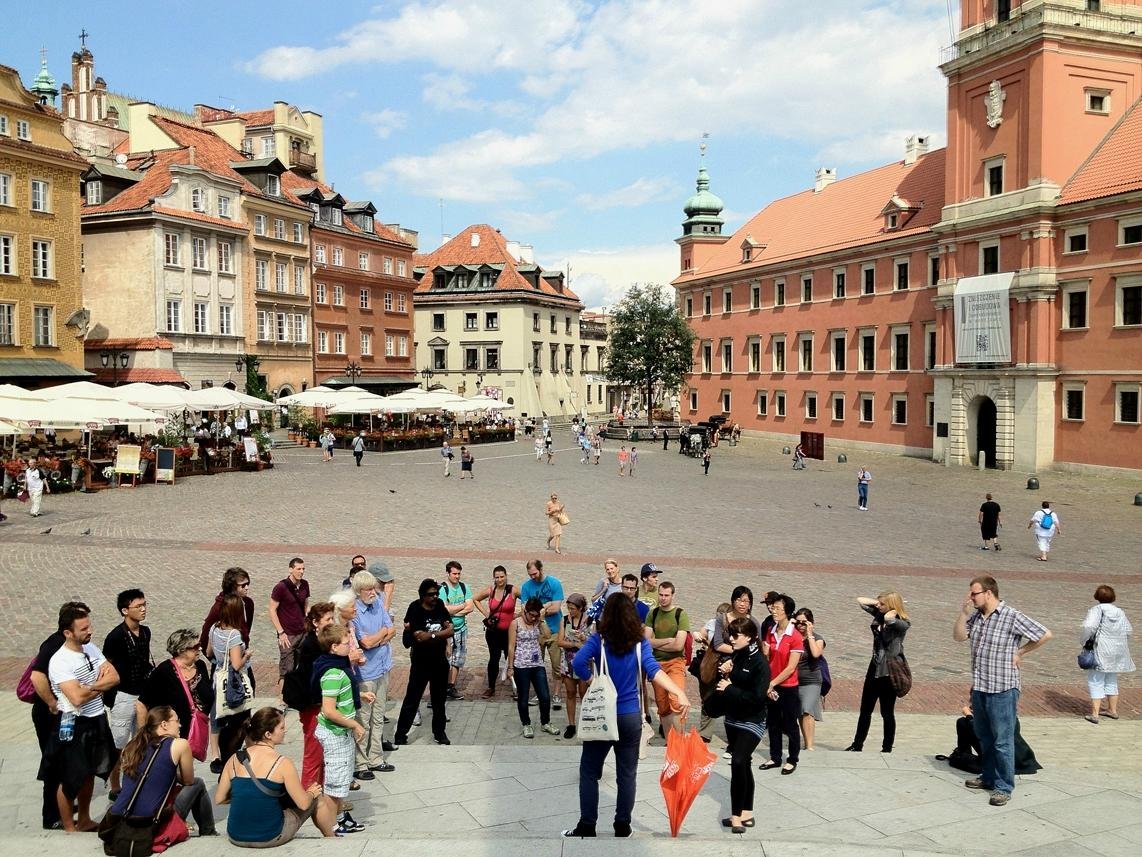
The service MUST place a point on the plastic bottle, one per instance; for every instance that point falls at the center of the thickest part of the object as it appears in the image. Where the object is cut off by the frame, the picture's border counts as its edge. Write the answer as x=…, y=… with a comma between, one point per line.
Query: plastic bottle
x=66, y=725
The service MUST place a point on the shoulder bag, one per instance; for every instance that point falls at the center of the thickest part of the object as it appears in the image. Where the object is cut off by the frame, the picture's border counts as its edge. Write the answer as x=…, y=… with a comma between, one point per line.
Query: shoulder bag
x=563, y=518
x=128, y=836
x=598, y=712
x=283, y=799
x=199, y=733
x=900, y=675
x=1086, y=658
x=25, y=690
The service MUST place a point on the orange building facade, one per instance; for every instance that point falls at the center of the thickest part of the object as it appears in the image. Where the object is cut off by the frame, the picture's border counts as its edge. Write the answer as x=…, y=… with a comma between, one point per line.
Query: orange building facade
x=980, y=300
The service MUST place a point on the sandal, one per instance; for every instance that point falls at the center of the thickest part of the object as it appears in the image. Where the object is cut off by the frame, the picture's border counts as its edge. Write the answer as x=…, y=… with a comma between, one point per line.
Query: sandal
x=1108, y=714
x=1091, y=719
x=768, y=765
x=354, y=786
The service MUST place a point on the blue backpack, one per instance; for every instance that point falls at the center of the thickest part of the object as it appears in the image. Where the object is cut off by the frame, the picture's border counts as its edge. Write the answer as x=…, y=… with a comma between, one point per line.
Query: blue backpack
x=1048, y=521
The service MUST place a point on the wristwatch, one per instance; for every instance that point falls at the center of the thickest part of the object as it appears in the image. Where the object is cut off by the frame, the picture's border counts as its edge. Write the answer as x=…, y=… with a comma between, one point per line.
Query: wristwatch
x=434, y=635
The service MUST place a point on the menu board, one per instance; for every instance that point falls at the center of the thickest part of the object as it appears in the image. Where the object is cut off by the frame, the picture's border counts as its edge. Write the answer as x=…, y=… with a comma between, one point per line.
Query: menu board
x=164, y=465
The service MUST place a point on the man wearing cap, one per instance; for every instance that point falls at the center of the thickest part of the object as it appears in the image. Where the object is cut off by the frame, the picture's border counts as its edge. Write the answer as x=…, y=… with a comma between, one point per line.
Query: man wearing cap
x=648, y=595
x=375, y=631
x=288, y=602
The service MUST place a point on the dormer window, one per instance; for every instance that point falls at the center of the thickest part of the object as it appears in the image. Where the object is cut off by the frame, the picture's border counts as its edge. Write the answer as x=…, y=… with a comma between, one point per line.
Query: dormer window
x=247, y=146
x=335, y=216
x=367, y=224
x=198, y=199
x=94, y=192
x=273, y=185
x=893, y=221
x=747, y=253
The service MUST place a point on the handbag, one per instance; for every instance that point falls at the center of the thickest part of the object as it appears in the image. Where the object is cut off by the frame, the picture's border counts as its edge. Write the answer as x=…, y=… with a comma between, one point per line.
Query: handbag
x=199, y=733
x=127, y=836
x=695, y=667
x=170, y=831
x=563, y=518
x=598, y=712
x=25, y=690
x=900, y=675
x=1086, y=658
x=22, y=495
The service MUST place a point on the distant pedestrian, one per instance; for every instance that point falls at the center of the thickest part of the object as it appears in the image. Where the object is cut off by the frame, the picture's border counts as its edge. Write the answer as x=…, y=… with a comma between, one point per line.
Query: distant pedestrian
x=706, y=463
x=556, y=517
x=799, y=458
x=466, y=462
x=863, y=478
x=665, y=439
x=597, y=447
x=633, y=459
x=549, y=448
x=1109, y=629
x=990, y=520
x=624, y=457
x=538, y=447
x=1045, y=522
x=36, y=483
x=359, y=447
x=447, y=454
x=327, y=442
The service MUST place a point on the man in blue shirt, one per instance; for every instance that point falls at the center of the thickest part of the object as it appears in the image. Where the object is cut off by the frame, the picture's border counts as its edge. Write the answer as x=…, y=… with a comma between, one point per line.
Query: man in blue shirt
x=375, y=632
x=548, y=589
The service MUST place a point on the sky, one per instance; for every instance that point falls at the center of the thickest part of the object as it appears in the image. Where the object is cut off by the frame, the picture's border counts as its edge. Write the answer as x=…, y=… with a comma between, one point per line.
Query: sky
x=571, y=125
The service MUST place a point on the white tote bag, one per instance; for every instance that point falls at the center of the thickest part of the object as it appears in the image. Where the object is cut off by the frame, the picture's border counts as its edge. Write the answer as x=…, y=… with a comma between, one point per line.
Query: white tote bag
x=598, y=712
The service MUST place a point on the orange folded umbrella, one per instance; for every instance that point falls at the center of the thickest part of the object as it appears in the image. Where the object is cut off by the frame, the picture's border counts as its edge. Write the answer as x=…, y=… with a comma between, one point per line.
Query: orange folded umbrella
x=685, y=770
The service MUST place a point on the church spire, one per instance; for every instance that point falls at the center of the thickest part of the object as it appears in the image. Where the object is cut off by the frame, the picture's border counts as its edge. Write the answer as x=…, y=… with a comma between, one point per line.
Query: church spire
x=703, y=210
x=44, y=86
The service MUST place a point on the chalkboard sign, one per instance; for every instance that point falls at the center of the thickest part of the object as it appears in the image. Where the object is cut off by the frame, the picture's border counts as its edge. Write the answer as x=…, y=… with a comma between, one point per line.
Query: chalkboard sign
x=164, y=465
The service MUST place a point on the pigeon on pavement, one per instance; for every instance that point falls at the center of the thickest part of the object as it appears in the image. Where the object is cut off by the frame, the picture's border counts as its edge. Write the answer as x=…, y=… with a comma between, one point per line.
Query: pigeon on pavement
x=45, y=532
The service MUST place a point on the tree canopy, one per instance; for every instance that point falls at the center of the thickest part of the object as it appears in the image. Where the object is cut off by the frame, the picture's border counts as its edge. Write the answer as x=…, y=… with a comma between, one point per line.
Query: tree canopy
x=650, y=341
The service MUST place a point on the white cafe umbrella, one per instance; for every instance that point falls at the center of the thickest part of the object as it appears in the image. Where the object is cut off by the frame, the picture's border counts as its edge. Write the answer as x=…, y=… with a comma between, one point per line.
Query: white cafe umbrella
x=431, y=400
x=11, y=391
x=373, y=405
x=222, y=399
x=76, y=390
x=155, y=397
x=73, y=412
x=315, y=398
x=490, y=403
x=8, y=428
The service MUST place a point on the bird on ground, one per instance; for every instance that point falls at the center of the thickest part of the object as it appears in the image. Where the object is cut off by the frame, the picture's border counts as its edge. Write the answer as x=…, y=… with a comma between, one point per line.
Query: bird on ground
x=45, y=532
x=87, y=532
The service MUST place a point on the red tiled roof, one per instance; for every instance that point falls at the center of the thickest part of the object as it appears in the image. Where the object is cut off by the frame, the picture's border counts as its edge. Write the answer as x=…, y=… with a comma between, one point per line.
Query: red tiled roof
x=130, y=376
x=156, y=181
x=146, y=343
x=257, y=117
x=492, y=249
x=845, y=214
x=1115, y=166
x=200, y=218
x=296, y=185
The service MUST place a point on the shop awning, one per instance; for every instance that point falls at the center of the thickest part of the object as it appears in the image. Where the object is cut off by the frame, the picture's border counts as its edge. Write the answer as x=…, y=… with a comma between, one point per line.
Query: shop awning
x=30, y=368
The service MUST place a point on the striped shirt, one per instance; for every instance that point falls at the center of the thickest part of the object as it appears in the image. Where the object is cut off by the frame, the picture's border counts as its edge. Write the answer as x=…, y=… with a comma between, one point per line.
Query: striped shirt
x=67, y=665
x=336, y=684
x=994, y=640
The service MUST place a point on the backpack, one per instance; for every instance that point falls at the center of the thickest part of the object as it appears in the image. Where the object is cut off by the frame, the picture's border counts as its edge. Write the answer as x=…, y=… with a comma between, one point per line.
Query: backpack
x=1048, y=521
x=688, y=646
x=297, y=691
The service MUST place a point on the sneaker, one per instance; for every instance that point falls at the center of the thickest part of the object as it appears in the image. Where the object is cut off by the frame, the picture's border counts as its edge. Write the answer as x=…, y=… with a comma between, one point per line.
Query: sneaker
x=528, y=731
x=999, y=798
x=383, y=768
x=580, y=830
x=727, y=755
x=975, y=783
x=550, y=728
x=984, y=548
x=556, y=702
x=347, y=824
x=442, y=739
x=388, y=747
x=998, y=548
x=453, y=693
x=569, y=732
x=533, y=702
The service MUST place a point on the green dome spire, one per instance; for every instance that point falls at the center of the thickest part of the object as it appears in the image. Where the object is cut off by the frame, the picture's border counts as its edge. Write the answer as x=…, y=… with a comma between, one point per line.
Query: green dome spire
x=44, y=86
x=703, y=210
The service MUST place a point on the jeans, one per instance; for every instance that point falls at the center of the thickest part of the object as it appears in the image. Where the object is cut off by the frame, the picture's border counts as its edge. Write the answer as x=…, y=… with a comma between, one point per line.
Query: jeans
x=497, y=641
x=525, y=677
x=876, y=690
x=994, y=720
x=626, y=766
x=196, y=800
x=744, y=743
x=862, y=493
x=783, y=716
x=431, y=672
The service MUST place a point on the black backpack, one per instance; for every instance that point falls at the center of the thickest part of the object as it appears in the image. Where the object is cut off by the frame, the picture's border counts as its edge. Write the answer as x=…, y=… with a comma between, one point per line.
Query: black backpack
x=297, y=686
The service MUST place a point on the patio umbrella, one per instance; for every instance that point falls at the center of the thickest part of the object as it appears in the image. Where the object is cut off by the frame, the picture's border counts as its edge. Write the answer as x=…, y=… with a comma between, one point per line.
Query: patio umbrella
x=8, y=428
x=483, y=402
x=322, y=398
x=222, y=399
x=76, y=390
x=13, y=392
x=155, y=397
x=433, y=400
x=684, y=771
x=372, y=405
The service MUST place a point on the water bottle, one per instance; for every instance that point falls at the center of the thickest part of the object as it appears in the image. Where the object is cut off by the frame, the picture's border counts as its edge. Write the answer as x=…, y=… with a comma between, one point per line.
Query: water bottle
x=66, y=725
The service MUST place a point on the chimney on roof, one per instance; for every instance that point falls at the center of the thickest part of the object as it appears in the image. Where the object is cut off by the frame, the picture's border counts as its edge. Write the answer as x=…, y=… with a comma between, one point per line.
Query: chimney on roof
x=444, y=238
x=192, y=154
x=475, y=239
x=527, y=254
x=513, y=250
x=825, y=177
x=915, y=147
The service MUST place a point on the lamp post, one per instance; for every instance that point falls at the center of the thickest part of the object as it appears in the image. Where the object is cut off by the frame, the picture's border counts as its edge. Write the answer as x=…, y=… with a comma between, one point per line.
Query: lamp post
x=244, y=363
x=114, y=359
x=479, y=383
x=427, y=375
x=353, y=371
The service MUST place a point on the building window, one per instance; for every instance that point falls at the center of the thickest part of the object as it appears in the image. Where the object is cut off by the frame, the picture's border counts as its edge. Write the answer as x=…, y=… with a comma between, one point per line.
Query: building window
x=3, y=125
x=1074, y=401
x=7, y=255
x=1076, y=240
x=335, y=216
x=386, y=264
x=726, y=401
x=338, y=256
x=261, y=269
x=993, y=177
x=779, y=354
x=263, y=325
x=1126, y=403
x=338, y=296
x=298, y=280
x=929, y=346
x=198, y=199
x=402, y=346
x=1130, y=231
x=365, y=295
x=989, y=258
x=568, y=360
x=273, y=186
x=707, y=303
x=170, y=249
x=866, y=400
x=201, y=317
x=810, y=406
x=389, y=345
x=471, y=320
x=438, y=321
x=901, y=275
x=225, y=320
x=224, y=207
x=693, y=400
x=279, y=229
x=707, y=357
x=300, y=328
x=491, y=321
x=806, y=290
x=319, y=296
x=554, y=327
x=535, y=322
x=338, y=343
x=755, y=355
x=23, y=130
x=1002, y=11
x=259, y=224
x=1128, y=302
x=868, y=351
x=281, y=327
x=779, y=403
x=535, y=358
x=868, y=279
x=779, y=293
x=439, y=360
x=198, y=253
x=5, y=189
x=762, y=403
x=755, y=295
x=388, y=301
x=402, y=305
x=554, y=357
x=93, y=192
x=806, y=353
x=689, y=307
x=298, y=234
x=929, y=411
x=41, y=195
x=319, y=253
x=933, y=270
x=1097, y=100
x=840, y=351
x=900, y=349
x=567, y=325
x=363, y=262
x=366, y=344
x=727, y=356
x=1074, y=307
x=838, y=284
x=727, y=300
x=492, y=361
x=174, y=316
x=900, y=410
x=838, y=407
x=41, y=259
x=322, y=342
x=225, y=257
x=401, y=268
x=42, y=328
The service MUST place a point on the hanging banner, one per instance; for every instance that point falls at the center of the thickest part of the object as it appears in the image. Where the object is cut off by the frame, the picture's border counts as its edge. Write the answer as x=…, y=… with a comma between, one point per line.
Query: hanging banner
x=983, y=319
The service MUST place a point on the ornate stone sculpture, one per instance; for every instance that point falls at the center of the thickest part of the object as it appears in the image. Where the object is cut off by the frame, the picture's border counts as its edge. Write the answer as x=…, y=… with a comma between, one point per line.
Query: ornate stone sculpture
x=994, y=102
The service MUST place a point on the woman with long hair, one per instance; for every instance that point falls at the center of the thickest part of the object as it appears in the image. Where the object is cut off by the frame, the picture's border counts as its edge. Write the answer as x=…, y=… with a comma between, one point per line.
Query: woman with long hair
x=257, y=816
x=308, y=651
x=889, y=625
x=227, y=649
x=498, y=615
x=573, y=632
x=784, y=648
x=620, y=640
x=173, y=766
x=741, y=692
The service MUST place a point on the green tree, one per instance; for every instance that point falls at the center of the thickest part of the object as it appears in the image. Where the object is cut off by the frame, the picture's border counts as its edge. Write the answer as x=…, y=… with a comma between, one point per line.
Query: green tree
x=650, y=342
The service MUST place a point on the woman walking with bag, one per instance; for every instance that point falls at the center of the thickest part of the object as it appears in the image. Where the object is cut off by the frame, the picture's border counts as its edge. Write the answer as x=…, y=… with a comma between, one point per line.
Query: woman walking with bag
x=573, y=633
x=556, y=519
x=619, y=650
x=1107, y=627
x=889, y=625
x=498, y=615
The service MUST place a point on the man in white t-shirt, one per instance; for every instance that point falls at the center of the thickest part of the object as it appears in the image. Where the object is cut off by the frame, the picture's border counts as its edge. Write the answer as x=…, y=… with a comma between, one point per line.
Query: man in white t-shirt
x=83, y=747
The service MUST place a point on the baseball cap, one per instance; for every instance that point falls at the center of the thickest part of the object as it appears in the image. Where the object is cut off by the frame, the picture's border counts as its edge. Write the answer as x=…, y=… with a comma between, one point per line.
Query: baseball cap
x=648, y=569
x=381, y=571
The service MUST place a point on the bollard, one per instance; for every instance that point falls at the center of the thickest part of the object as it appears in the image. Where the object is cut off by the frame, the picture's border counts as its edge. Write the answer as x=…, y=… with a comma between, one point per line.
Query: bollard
x=1032, y=484
x=1138, y=499
x=982, y=461
x=842, y=458
x=785, y=450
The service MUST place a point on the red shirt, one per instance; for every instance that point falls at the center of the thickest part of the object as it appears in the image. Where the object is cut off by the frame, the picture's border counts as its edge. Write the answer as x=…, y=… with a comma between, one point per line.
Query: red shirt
x=781, y=648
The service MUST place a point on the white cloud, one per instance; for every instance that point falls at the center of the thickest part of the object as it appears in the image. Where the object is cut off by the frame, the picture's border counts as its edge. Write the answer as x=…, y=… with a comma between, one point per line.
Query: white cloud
x=600, y=277
x=384, y=122
x=638, y=192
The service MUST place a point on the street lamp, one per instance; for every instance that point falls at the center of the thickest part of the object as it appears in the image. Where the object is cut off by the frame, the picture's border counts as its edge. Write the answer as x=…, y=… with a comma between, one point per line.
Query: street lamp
x=479, y=383
x=244, y=363
x=114, y=359
x=353, y=371
x=427, y=375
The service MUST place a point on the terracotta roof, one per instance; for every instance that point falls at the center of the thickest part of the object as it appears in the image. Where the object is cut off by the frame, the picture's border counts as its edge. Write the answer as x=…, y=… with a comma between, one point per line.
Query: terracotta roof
x=1115, y=166
x=257, y=117
x=491, y=249
x=130, y=376
x=61, y=154
x=296, y=185
x=845, y=214
x=156, y=181
x=198, y=217
x=147, y=343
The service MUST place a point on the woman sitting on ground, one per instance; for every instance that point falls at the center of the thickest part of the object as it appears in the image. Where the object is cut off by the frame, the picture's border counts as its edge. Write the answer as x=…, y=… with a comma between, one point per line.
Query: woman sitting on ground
x=257, y=818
